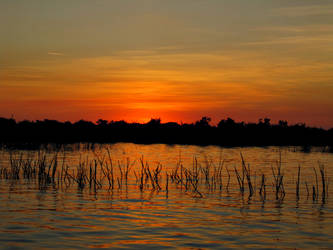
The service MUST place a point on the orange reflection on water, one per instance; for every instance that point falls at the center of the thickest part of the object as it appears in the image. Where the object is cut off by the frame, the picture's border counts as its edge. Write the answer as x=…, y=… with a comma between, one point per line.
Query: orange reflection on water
x=128, y=217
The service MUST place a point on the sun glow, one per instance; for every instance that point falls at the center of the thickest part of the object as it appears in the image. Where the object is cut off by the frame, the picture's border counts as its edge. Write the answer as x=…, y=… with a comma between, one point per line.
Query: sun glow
x=170, y=66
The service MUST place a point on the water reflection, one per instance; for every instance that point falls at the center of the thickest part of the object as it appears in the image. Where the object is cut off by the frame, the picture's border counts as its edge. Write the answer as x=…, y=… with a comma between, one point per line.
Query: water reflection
x=64, y=215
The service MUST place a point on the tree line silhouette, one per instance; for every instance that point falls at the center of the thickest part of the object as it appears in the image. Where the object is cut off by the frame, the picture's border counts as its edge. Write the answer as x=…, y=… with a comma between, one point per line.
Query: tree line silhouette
x=226, y=133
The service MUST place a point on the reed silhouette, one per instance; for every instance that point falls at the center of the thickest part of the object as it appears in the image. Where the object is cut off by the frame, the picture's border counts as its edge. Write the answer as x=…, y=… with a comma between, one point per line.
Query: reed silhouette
x=51, y=169
x=226, y=133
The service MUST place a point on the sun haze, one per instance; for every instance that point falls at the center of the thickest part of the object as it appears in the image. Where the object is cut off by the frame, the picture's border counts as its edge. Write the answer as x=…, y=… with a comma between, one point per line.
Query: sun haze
x=177, y=60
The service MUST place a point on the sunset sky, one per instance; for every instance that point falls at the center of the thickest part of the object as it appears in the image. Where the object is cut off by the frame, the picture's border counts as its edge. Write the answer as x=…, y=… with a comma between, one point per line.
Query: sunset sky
x=174, y=59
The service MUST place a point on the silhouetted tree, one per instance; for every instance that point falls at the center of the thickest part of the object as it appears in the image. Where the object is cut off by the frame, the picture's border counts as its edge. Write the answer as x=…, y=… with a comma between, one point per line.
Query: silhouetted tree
x=204, y=122
x=154, y=122
x=267, y=121
x=227, y=132
x=283, y=124
x=102, y=123
x=228, y=123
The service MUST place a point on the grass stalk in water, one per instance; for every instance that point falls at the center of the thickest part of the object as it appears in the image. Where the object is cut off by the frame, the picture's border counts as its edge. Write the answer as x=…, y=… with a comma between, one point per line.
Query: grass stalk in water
x=278, y=181
x=298, y=182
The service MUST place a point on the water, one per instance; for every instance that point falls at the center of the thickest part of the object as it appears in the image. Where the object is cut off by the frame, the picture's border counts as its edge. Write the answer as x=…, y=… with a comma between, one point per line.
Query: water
x=65, y=216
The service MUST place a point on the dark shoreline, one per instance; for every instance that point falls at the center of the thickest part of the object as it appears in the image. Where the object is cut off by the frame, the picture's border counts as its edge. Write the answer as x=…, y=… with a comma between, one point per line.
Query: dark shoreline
x=228, y=133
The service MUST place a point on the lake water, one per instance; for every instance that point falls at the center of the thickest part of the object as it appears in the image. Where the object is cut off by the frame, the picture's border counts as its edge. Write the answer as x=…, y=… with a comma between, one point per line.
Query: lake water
x=61, y=214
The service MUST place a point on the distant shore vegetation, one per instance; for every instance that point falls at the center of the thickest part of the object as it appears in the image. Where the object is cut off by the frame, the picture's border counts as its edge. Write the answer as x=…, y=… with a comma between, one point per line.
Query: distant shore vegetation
x=227, y=132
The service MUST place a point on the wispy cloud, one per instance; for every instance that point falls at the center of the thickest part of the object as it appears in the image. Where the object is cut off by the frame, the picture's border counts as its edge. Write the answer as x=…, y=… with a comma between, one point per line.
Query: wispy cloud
x=294, y=40
x=309, y=10
x=55, y=53
x=313, y=28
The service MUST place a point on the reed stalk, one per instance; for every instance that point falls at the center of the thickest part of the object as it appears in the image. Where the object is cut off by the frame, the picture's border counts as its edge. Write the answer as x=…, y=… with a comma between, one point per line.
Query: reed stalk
x=298, y=182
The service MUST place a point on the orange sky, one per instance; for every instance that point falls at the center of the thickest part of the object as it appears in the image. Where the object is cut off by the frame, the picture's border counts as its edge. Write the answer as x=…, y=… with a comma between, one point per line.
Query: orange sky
x=177, y=60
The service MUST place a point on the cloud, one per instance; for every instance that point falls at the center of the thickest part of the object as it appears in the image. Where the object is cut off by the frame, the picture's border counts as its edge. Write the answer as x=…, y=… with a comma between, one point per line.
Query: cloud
x=310, y=40
x=309, y=10
x=54, y=53
x=313, y=28
x=151, y=81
